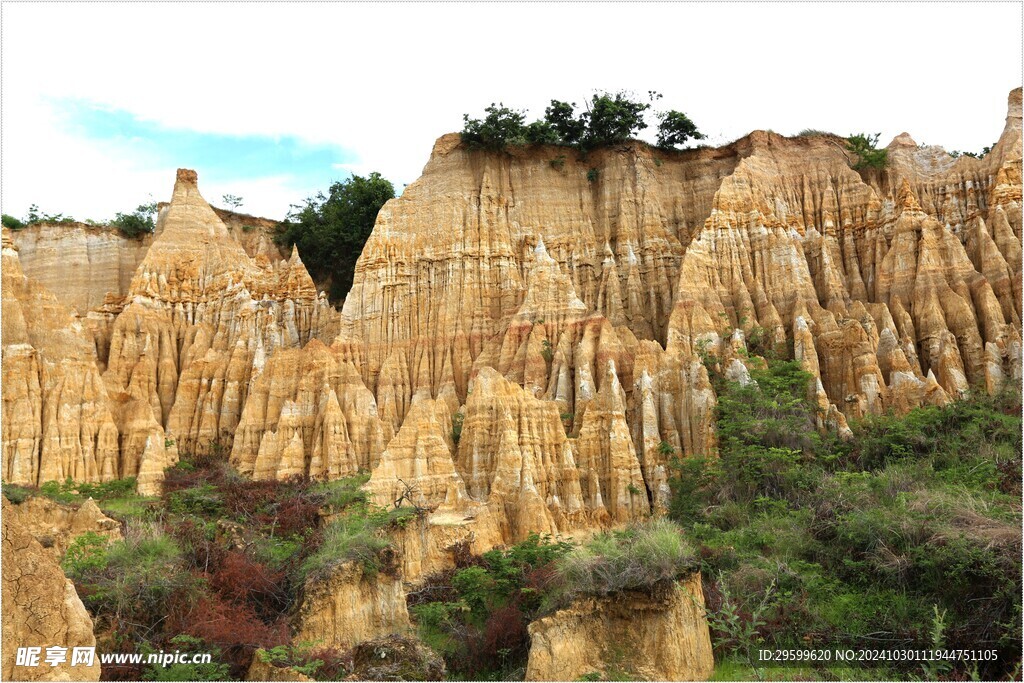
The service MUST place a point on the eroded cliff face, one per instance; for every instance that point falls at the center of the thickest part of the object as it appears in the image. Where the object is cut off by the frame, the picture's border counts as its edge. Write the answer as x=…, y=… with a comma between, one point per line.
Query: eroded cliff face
x=568, y=316
x=527, y=330
x=40, y=608
x=350, y=607
x=87, y=263
x=646, y=638
x=168, y=365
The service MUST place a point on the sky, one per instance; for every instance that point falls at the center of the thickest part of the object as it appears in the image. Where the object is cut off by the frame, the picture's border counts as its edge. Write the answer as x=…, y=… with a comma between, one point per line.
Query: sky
x=274, y=102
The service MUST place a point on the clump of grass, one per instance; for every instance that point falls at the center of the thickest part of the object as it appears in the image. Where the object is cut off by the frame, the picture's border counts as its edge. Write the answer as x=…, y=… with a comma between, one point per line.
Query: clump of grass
x=358, y=536
x=646, y=556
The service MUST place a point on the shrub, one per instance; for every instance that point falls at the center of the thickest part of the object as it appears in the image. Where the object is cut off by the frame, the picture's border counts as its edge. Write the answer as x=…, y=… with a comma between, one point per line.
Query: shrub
x=812, y=132
x=865, y=148
x=644, y=557
x=592, y=175
x=86, y=554
x=561, y=116
x=541, y=133
x=457, y=421
x=500, y=128
x=330, y=231
x=476, y=615
x=16, y=494
x=136, y=223
x=12, y=223
x=234, y=628
x=354, y=537
x=136, y=582
x=676, y=128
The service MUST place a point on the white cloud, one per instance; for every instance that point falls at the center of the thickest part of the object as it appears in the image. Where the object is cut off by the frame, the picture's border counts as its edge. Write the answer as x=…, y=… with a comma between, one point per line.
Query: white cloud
x=384, y=80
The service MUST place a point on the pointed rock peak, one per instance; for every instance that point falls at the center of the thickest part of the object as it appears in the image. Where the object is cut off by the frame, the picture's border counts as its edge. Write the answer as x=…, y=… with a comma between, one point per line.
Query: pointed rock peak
x=1013, y=104
x=295, y=258
x=187, y=176
x=906, y=199
x=902, y=140
x=189, y=222
x=541, y=252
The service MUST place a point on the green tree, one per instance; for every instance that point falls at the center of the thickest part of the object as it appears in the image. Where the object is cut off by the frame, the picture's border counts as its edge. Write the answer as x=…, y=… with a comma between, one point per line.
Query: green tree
x=542, y=133
x=562, y=117
x=232, y=200
x=137, y=222
x=865, y=146
x=12, y=222
x=613, y=118
x=330, y=230
x=676, y=128
x=500, y=128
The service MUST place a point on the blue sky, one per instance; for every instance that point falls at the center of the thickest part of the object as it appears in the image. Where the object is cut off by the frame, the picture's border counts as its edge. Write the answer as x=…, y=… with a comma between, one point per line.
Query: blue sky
x=221, y=158
x=228, y=162
x=273, y=101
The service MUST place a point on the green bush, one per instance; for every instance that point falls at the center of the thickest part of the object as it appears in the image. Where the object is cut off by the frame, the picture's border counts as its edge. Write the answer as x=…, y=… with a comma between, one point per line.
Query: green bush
x=357, y=536
x=813, y=132
x=610, y=118
x=136, y=223
x=134, y=581
x=87, y=553
x=457, y=421
x=16, y=494
x=500, y=128
x=865, y=147
x=676, y=128
x=330, y=231
x=810, y=541
x=12, y=223
x=646, y=556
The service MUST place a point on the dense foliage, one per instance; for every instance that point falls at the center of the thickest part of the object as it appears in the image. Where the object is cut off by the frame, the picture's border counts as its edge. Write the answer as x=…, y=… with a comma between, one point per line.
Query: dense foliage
x=865, y=147
x=608, y=118
x=330, y=230
x=476, y=615
x=136, y=223
x=906, y=536
x=217, y=563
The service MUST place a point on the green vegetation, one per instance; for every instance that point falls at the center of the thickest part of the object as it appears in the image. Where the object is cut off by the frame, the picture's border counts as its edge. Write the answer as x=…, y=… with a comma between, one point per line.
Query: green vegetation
x=910, y=528
x=218, y=562
x=648, y=556
x=115, y=498
x=812, y=132
x=12, y=223
x=330, y=230
x=592, y=175
x=136, y=223
x=233, y=200
x=132, y=224
x=676, y=129
x=476, y=615
x=608, y=119
x=356, y=536
x=457, y=420
x=547, y=351
x=865, y=147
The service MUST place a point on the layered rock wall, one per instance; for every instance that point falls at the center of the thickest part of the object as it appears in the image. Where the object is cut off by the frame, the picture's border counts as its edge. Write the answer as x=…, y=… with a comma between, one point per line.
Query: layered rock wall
x=633, y=634
x=40, y=609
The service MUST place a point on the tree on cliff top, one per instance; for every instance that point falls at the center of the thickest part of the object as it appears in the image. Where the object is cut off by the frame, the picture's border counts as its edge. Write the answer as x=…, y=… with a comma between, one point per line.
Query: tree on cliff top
x=330, y=230
x=609, y=118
